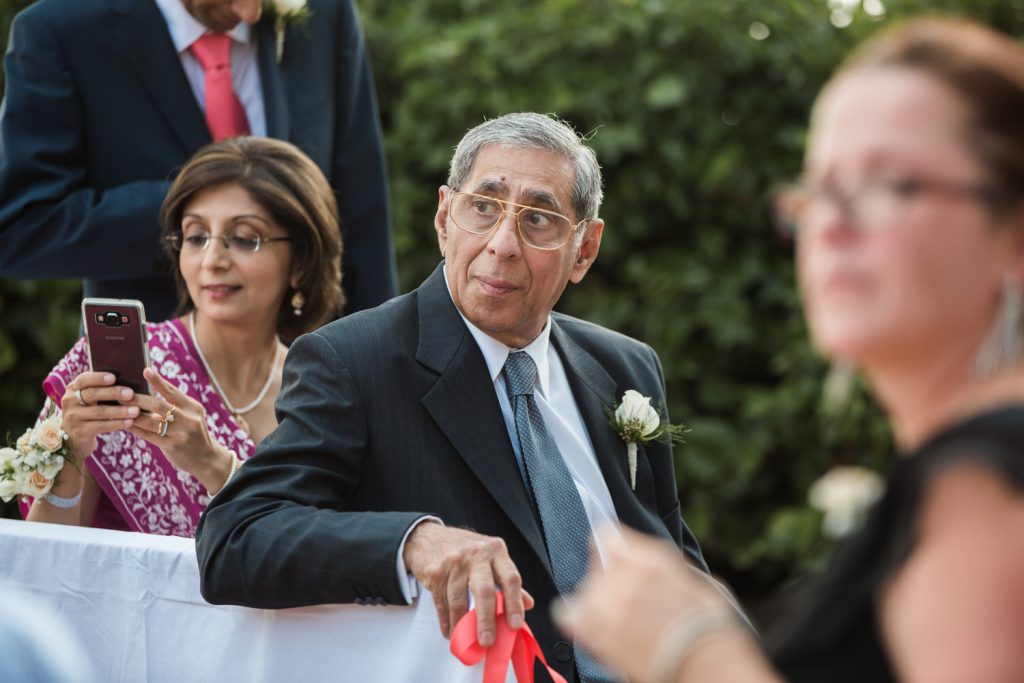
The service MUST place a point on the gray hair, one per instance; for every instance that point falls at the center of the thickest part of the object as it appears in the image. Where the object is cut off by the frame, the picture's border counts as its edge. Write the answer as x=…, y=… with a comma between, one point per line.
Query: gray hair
x=527, y=130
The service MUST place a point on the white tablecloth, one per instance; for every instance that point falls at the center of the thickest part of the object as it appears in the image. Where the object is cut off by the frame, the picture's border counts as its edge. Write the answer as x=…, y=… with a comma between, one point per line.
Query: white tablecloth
x=133, y=599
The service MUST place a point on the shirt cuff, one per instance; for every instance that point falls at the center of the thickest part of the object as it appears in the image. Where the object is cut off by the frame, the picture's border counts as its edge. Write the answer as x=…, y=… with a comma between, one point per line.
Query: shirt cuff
x=406, y=581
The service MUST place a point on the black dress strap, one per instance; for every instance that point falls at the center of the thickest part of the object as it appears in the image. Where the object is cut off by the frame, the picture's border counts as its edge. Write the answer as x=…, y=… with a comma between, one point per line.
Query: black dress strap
x=833, y=633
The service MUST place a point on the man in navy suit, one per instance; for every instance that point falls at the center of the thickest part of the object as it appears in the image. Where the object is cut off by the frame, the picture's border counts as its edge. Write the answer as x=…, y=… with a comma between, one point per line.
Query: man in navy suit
x=104, y=103
x=410, y=442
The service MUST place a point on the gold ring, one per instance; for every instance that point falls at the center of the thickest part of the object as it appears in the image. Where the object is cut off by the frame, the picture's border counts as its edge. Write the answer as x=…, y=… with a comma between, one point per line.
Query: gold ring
x=169, y=417
x=78, y=395
x=163, y=428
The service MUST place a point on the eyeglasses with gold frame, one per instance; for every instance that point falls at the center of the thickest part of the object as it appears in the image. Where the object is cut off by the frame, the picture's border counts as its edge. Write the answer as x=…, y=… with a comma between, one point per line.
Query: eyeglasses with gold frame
x=539, y=228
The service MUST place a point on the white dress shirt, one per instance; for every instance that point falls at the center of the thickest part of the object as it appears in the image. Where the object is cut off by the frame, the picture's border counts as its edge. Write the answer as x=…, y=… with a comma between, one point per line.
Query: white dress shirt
x=245, y=74
x=561, y=415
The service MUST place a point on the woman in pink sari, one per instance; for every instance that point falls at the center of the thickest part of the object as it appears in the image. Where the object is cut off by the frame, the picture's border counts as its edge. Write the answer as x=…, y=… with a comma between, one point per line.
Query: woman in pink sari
x=251, y=228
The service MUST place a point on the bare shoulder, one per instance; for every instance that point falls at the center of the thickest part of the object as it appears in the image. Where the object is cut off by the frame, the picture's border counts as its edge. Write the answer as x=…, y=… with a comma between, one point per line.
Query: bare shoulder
x=967, y=496
x=955, y=611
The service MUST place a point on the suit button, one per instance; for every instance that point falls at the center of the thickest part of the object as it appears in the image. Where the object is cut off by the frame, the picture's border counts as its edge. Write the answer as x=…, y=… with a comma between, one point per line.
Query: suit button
x=563, y=651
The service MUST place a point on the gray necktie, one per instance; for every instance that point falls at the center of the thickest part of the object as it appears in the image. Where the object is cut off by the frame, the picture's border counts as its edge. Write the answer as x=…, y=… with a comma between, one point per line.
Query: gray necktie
x=564, y=521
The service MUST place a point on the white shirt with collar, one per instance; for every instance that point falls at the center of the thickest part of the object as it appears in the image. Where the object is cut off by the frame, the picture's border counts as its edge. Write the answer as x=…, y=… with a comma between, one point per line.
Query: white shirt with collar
x=561, y=415
x=245, y=73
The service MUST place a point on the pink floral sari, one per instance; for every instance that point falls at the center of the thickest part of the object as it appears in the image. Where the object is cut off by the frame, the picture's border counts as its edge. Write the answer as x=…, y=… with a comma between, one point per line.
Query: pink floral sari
x=142, y=490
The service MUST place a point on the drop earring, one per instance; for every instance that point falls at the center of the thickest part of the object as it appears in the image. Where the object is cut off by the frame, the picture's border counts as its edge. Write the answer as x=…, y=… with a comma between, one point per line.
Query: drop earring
x=1003, y=348
x=298, y=301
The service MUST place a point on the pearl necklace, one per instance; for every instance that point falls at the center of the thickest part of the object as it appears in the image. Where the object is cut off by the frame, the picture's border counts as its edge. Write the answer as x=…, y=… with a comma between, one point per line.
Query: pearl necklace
x=235, y=412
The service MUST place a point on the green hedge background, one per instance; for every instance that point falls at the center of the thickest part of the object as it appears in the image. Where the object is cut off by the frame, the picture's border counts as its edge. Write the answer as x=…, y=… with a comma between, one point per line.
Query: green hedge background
x=696, y=109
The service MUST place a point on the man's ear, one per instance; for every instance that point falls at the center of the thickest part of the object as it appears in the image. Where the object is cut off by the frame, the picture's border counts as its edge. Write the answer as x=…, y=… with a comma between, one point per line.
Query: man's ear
x=587, y=252
x=441, y=217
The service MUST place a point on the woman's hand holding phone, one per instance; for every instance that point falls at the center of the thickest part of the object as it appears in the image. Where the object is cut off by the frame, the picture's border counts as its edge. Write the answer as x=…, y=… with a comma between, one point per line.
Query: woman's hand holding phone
x=185, y=440
x=176, y=424
x=84, y=417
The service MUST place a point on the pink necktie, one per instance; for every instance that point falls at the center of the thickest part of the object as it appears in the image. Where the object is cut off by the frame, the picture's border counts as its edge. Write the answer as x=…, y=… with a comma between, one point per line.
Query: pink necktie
x=224, y=113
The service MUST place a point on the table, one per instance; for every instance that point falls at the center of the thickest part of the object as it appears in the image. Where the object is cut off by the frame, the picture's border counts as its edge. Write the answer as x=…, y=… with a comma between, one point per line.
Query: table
x=133, y=600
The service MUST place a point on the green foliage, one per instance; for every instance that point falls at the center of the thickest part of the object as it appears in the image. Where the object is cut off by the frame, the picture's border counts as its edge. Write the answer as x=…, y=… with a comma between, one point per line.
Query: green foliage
x=38, y=324
x=694, y=122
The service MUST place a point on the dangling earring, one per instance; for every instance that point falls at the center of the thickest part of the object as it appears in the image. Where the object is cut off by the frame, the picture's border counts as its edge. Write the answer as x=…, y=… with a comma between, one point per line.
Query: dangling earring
x=298, y=301
x=1004, y=345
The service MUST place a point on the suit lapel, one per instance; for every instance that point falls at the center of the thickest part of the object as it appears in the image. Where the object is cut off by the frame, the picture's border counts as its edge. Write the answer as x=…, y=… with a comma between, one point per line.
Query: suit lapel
x=595, y=390
x=275, y=92
x=142, y=33
x=465, y=407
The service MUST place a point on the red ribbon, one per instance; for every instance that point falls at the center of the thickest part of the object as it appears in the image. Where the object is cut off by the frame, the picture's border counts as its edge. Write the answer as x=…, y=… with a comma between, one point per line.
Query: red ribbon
x=518, y=645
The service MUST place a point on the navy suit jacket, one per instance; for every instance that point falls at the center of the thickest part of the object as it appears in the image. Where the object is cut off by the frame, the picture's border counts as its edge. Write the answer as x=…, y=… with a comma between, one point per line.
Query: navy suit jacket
x=98, y=117
x=390, y=414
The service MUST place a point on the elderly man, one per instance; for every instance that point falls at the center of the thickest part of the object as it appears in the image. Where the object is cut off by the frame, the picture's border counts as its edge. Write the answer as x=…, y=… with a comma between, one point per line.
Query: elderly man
x=106, y=99
x=458, y=433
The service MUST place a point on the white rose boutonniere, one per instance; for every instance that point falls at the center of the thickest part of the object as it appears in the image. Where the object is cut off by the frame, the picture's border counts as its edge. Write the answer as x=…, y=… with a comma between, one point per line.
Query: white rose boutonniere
x=844, y=495
x=29, y=469
x=285, y=13
x=636, y=421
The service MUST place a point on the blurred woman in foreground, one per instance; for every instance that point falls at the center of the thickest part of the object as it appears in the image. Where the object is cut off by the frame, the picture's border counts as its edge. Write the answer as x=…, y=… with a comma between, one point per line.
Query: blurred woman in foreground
x=251, y=229
x=910, y=254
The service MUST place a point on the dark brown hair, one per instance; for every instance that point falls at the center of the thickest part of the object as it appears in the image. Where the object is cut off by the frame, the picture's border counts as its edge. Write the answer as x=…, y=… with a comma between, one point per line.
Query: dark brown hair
x=985, y=68
x=292, y=189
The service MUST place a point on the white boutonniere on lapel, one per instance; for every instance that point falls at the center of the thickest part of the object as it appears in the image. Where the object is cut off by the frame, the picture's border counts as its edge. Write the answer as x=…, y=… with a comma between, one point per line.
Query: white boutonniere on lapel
x=636, y=421
x=284, y=14
x=844, y=495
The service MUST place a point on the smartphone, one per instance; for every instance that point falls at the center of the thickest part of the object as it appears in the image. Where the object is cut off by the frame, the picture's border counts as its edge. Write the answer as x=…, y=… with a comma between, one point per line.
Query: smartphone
x=115, y=332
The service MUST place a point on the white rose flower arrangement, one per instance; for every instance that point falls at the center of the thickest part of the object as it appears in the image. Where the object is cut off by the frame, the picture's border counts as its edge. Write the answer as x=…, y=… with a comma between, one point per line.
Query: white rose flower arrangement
x=636, y=421
x=285, y=13
x=844, y=495
x=32, y=465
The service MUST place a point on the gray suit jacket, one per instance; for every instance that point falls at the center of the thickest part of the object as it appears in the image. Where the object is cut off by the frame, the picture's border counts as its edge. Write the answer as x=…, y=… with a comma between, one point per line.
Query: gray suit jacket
x=388, y=415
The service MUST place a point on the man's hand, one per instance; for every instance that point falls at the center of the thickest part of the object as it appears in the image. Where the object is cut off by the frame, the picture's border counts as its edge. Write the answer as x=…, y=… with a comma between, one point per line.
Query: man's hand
x=451, y=562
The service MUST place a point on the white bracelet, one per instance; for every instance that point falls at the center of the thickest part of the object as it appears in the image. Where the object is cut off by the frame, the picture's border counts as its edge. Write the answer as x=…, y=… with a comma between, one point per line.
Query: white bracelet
x=680, y=638
x=61, y=502
x=235, y=464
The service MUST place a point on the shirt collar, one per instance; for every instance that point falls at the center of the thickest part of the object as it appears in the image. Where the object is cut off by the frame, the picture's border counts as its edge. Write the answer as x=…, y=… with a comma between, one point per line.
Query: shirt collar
x=496, y=353
x=186, y=29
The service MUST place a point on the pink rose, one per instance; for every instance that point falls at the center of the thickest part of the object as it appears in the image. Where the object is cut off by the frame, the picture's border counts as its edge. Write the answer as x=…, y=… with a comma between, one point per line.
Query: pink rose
x=49, y=434
x=24, y=440
x=37, y=485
